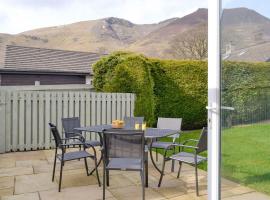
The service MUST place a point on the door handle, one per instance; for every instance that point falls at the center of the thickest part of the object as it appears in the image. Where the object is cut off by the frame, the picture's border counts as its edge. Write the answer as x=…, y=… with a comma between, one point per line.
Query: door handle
x=214, y=109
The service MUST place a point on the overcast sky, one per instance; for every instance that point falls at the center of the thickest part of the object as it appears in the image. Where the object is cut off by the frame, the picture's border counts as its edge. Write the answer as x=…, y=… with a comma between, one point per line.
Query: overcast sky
x=21, y=15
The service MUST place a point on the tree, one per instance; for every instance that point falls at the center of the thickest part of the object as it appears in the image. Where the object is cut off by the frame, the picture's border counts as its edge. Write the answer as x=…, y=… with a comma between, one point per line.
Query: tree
x=191, y=44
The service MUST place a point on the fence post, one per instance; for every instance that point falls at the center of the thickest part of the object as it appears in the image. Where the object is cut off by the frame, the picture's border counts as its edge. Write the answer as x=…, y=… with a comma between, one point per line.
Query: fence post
x=2, y=122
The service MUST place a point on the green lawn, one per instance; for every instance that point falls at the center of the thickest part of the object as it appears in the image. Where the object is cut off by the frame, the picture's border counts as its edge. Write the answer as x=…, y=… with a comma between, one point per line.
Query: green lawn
x=245, y=155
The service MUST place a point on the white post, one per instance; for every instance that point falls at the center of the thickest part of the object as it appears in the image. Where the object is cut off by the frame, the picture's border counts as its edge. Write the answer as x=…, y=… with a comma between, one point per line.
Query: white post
x=214, y=99
x=2, y=121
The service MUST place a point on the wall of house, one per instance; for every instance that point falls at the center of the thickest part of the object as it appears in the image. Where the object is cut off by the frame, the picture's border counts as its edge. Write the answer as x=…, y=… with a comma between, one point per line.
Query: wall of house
x=44, y=79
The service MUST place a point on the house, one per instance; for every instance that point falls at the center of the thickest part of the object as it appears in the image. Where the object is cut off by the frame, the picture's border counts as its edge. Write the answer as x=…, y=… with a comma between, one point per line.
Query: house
x=21, y=65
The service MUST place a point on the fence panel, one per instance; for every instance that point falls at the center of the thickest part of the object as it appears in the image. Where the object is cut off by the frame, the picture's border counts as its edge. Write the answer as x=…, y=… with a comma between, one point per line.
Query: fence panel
x=25, y=114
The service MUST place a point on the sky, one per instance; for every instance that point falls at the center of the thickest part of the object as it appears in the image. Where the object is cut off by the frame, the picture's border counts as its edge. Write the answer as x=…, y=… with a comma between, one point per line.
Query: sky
x=20, y=15
x=261, y=6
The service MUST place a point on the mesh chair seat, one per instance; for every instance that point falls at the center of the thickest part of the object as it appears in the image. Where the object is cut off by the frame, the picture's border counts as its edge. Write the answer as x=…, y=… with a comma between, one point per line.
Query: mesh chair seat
x=94, y=143
x=74, y=155
x=187, y=157
x=124, y=164
x=162, y=145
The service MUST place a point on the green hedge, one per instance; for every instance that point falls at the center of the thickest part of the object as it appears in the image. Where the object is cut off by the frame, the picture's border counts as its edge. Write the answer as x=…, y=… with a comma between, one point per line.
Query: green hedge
x=246, y=87
x=164, y=88
x=175, y=88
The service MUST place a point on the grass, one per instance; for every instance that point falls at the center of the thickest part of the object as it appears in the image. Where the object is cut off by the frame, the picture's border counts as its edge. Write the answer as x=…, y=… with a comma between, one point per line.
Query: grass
x=245, y=155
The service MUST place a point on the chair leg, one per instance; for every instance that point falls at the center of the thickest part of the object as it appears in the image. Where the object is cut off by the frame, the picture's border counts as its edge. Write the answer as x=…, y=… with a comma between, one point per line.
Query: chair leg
x=162, y=171
x=99, y=162
x=104, y=179
x=196, y=178
x=107, y=178
x=179, y=170
x=61, y=172
x=86, y=167
x=143, y=184
x=96, y=167
x=172, y=168
x=54, y=165
x=156, y=155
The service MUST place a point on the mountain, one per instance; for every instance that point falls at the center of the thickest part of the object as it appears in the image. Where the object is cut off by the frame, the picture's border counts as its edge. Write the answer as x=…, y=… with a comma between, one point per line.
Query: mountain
x=244, y=31
x=108, y=35
x=103, y=35
x=158, y=43
x=245, y=34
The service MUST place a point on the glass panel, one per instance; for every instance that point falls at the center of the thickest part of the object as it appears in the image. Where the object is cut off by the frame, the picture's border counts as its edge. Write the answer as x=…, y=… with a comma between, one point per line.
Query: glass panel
x=245, y=135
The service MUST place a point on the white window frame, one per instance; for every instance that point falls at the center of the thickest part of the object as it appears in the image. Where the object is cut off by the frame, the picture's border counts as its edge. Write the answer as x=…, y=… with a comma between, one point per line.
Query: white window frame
x=214, y=58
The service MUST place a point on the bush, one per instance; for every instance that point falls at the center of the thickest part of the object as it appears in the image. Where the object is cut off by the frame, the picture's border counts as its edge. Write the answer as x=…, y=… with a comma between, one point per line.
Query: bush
x=123, y=72
x=163, y=88
x=175, y=88
x=246, y=87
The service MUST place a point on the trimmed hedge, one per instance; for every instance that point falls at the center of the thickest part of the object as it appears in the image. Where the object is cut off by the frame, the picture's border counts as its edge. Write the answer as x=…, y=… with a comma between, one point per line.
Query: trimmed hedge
x=164, y=88
x=175, y=88
x=246, y=87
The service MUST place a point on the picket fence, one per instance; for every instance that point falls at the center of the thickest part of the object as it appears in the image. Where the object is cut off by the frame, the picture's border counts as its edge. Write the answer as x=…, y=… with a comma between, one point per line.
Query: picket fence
x=24, y=115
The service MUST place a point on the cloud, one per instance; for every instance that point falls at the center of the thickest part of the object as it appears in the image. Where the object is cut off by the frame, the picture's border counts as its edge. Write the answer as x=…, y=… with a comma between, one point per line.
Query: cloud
x=21, y=15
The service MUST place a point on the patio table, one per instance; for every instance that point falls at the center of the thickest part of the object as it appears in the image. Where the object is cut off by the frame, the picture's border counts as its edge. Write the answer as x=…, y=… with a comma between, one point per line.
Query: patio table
x=150, y=134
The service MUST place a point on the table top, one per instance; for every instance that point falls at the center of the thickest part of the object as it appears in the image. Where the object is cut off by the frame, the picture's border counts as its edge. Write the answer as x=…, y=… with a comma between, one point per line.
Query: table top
x=149, y=132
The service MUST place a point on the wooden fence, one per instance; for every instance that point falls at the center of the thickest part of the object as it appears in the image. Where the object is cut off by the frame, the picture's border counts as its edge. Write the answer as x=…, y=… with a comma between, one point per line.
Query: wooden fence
x=24, y=115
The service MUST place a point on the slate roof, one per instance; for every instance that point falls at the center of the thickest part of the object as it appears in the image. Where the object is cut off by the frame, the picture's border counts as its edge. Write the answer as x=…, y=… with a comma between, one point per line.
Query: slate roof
x=32, y=59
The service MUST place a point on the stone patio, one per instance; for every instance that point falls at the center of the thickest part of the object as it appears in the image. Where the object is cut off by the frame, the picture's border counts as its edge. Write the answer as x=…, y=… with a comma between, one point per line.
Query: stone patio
x=27, y=176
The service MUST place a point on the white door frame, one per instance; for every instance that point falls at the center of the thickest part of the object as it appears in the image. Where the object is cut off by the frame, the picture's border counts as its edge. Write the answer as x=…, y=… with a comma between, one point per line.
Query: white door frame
x=214, y=13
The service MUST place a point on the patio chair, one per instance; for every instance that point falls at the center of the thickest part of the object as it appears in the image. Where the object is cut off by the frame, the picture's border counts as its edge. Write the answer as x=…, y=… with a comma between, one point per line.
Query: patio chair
x=74, y=122
x=68, y=156
x=167, y=123
x=123, y=150
x=190, y=158
x=131, y=121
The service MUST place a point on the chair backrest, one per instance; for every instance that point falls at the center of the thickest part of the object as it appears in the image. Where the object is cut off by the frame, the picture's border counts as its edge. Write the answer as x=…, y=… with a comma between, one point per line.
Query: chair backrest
x=131, y=121
x=170, y=123
x=69, y=124
x=121, y=143
x=56, y=135
x=202, y=144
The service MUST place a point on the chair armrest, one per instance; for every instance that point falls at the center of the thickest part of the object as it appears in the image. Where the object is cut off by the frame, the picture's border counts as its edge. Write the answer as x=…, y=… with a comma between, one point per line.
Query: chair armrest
x=186, y=146
x=190, y=140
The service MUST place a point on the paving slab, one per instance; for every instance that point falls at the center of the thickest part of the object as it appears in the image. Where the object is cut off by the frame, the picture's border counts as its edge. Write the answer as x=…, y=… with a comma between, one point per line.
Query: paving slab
x=7, y=162
x=120, y=181
x=6, y=182
x=249, y=196
x=73, y=178
x=15, y=171
x=27, y=196
x=34, y=183
x=172, y=188
x=6, y=191
x=135, y=193
x=92, y=192
x=30, y=163
x=29, y=155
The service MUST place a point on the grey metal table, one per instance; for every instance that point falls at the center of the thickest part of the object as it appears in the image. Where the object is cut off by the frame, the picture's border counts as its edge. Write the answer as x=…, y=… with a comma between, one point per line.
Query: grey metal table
x=150, y=134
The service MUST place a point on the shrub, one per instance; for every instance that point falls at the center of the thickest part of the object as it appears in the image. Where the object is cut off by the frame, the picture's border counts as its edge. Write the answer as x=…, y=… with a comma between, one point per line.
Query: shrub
x=246, y=87
x=175, y=88
x=163, y=88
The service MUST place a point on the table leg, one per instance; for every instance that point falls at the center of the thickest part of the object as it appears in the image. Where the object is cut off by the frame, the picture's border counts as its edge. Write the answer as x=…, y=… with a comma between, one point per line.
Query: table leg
x=146, y=169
